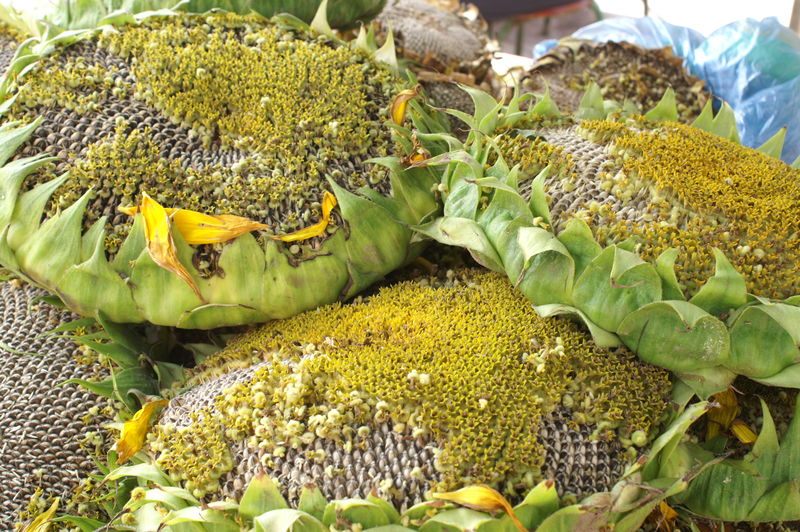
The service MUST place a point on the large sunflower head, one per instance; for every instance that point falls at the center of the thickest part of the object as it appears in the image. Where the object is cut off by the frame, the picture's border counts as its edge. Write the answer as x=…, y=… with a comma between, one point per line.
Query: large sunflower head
x=152, y=151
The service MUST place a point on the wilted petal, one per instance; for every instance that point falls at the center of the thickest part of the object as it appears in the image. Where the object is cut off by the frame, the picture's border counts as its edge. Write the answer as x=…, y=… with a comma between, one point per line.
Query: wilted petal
x=134, y=431
x=743, y=432
x=160, y=244
x=719, y=419
x=666, y=521
x=43, y=520
x=482, y=498
x=197, y=228
x=400, y=103
x=328, y=203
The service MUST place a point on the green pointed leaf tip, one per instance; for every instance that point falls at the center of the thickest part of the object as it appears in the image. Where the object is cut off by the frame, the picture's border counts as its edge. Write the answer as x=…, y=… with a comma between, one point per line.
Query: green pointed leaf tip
x=591, y=106
x=765, y=339
x=666, y=109
x=774, y=146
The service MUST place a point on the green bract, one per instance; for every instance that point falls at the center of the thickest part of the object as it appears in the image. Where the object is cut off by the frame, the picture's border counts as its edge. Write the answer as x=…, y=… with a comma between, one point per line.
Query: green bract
x=295, y=113
x=687, y=309
x=84, y=14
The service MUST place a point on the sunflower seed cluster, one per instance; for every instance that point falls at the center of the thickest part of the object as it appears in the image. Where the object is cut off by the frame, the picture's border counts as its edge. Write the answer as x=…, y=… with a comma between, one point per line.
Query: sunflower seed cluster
x=669, y=185
x=47, y=428
x=622, y=70
x=410, y=390
x=129, y=112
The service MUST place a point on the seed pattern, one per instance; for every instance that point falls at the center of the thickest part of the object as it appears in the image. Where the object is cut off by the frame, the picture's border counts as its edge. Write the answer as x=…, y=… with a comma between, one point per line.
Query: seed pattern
x=670, y=185
x=46, y=428
x=467, y=366
x=129, y=113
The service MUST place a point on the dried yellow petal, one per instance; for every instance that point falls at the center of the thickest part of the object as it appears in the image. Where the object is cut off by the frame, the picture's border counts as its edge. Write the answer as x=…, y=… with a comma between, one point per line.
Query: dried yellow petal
x=743, y=432
x=134, y=431
x=160, y=244
x=666, y=521
x=197, y=228
x=400, y=103
x=481, y=498
x=719, y=419
x=43, y=520
x=328, y=203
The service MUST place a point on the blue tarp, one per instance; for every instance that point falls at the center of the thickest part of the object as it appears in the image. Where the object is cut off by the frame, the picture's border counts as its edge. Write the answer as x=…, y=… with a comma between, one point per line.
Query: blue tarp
x=753, y=65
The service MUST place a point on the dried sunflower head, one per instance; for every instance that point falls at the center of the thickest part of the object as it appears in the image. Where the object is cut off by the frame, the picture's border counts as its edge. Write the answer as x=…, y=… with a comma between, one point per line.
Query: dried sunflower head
x=246, y=122
x=418, y=387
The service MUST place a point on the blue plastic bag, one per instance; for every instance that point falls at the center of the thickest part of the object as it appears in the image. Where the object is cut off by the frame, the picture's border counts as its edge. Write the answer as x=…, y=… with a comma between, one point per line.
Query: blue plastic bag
x=752, y=65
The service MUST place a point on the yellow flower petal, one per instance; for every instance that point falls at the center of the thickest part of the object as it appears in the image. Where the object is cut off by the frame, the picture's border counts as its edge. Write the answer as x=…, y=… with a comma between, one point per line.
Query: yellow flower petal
x=400, y=103
x=328, y=203
x=719, y=419
x=160, y=244
x=134, y=431
x=43, y=520
x=197, y=228
x=743, y=432
x=666, y=521
x=482, y=498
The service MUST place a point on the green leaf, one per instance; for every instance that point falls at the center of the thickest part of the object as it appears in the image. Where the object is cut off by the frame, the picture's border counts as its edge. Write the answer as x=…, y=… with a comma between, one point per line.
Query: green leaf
x=312, y=502
x=538, y=504
x=601, y=337
x=613, y=285
x=463, y=520
x=538, y=203
x=55, y=246
x=391, y=513
x=463, y=232
x=666, y=110
x=546, y=106
x=354, y=511
x=577, y=237
x=548, y=270
x=287, y=520
x=725, y=291
x=142, y=471
x=764, y=340
x=122, y=382
x=591, y=106
x=774, y=146
x=85, y=524
x=705, y=120
x=676, y=335
x=665, y=266
x=261, y=495
x=320, y=21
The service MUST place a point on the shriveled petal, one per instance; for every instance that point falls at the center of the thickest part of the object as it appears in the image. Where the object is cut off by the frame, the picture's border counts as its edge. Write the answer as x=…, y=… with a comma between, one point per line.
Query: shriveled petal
x=719, y=419
x=197, y=228
x=328, y=203
x=160, y=244
x=481, y=498
x=43, y=520
x=400, y=103
x=135, y=429
x=666, y=521
x=743, y=432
